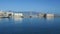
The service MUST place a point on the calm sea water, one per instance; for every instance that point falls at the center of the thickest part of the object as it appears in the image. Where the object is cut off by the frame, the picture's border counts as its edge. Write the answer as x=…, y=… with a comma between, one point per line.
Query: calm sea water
x=29, y=25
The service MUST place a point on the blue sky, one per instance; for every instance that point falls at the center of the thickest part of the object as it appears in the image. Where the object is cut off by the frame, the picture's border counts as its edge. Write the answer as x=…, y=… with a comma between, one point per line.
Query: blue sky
x=46, y=6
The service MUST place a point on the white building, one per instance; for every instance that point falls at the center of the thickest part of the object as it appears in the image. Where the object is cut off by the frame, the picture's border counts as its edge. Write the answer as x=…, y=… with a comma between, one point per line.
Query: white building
x=1, y=14
x=41, y=15
x=8, y=14
x=18, y=15
x=50, y=15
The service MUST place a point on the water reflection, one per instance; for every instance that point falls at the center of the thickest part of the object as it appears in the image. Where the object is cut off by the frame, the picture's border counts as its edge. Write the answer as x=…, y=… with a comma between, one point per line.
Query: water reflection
x=1, y=19
x=18, y=19
x=50, y=18
x=30, y=25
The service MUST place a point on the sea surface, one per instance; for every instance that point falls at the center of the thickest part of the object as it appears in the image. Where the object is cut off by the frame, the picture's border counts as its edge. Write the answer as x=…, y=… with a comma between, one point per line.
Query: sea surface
x=29, y=25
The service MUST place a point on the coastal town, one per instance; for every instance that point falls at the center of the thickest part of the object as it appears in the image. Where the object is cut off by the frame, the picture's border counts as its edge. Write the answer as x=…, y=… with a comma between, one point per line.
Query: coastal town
x=24, y=15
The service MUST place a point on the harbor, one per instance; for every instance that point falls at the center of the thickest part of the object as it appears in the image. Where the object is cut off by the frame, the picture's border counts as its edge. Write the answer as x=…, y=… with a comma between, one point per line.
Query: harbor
x=24, y=15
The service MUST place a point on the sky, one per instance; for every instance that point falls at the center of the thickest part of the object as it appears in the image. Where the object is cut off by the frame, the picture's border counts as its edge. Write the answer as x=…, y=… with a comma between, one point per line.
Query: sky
x=44, y=6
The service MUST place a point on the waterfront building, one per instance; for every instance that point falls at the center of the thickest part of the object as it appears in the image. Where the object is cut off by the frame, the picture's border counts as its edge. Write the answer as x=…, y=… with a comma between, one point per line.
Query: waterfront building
x=6, y=14
x=50, y=15
x=3, y=14
x=18, y=15
x=41, y=15
x=9, y=14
